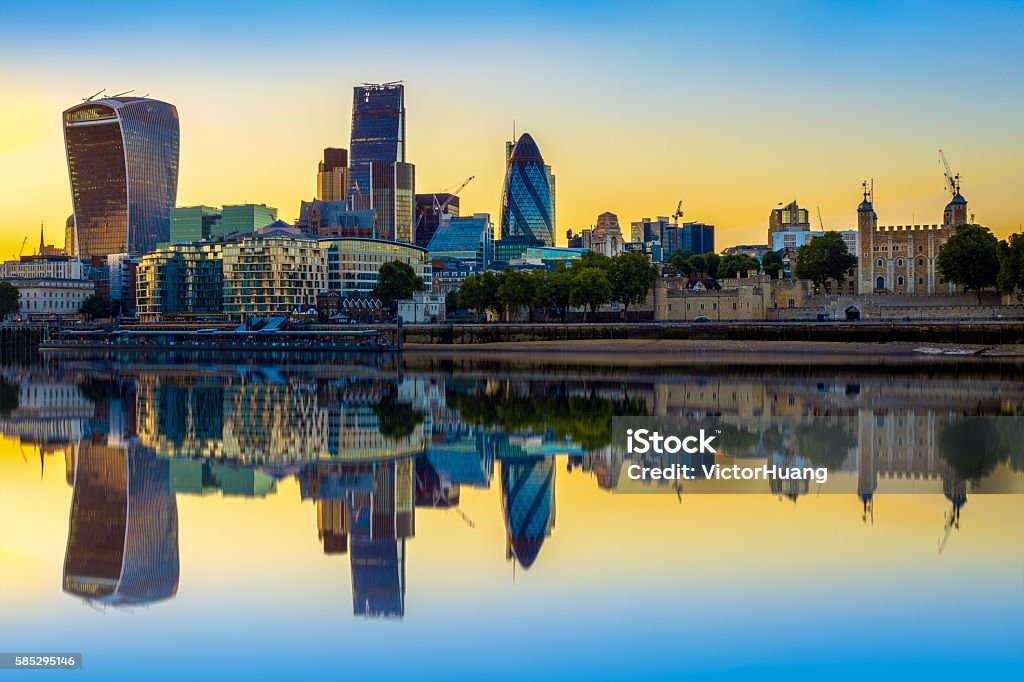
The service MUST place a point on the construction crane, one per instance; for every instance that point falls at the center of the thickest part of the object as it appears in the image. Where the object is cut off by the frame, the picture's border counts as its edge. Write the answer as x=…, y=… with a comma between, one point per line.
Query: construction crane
x=22, y=249
x=952, y=181
x=679, y=212
x=439, y=207
x=820, y=221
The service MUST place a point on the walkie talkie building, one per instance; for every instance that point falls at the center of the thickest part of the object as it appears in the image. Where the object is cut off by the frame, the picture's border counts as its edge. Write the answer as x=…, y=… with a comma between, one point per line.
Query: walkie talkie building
x=123, y=165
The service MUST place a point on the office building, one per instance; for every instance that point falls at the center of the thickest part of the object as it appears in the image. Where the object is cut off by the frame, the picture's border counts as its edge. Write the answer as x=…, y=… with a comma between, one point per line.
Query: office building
x=469, y=240
x=528, y=505
x=191, y=223
x=334, y=219
x=649, y=230
x=392, y=192
x=788, y=218
x=244, y=218
x=184, y=279
x=70, y=245
x=48, y=285
x=353, y=264
x=332, y=175
x=122, y=155
x=378, y=134
x=526, y=195
x=512, y=248
x=429, y=209
x=696, y=237
x=509, y=146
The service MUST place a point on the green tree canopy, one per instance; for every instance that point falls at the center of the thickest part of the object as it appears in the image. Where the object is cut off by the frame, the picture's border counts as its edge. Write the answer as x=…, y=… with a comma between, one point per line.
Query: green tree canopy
x=698, y=264
x=970, y=258
x=95, y=306
x=9, y=295
x=736, y=265
x=557, y=290
x=515, y=290
x=1011, y=265
x=396, y=280
x=632, y=277
x=680, y=260
x=824, y=259
x=590, y=288
x=771, y=264
x=479, y=292
x=713, y=260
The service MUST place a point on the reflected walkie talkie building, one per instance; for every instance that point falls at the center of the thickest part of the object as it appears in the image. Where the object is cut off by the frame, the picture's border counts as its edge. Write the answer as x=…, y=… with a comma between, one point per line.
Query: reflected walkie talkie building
x=123, y=532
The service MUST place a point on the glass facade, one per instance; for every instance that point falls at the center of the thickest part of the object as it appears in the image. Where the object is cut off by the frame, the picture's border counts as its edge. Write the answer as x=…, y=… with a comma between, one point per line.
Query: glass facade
x=428, y=217
x=378, y=134
x=354, y=264
x=123, y=166
x=526, y=196
x=191, y=223
x=245, y=218
x=182, y=279
x=392, y=198
x=272, y=275
x=469, y=240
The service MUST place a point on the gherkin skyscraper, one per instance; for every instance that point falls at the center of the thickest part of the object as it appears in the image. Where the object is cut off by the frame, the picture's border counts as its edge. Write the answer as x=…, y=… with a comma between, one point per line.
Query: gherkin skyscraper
x=526, y=196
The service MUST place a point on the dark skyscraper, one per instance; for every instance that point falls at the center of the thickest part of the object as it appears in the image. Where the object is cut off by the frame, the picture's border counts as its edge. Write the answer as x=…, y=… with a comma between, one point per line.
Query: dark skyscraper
x=392, y=191
x=123, y=165
x=428, y=217
x=526, y=196
x=378, y=134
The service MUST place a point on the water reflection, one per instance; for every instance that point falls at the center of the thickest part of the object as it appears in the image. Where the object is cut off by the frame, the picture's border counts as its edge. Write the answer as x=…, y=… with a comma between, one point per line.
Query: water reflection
x=368, y=446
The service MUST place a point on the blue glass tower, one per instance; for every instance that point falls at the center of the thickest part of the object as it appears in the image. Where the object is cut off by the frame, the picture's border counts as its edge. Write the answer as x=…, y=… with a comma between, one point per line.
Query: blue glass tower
x=123, y=164
x=526, y=196
x=378, y=134
x=528, y=503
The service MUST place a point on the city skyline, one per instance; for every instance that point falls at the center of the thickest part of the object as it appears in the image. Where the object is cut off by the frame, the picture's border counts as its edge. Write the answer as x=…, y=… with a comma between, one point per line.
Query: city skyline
x=872, y=100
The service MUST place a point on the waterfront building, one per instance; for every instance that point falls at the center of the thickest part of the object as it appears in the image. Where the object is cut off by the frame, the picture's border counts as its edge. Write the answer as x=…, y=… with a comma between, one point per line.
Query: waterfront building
x=468, y=239
x=353, y=264
x=448, y=274
x=334, y=219
x=122, y=155
x=392, y=188
x=123, y=271
x=606, y=237
x=42, y=267
x=378, y=134
x=526, y=195
x=48, y=285
x=181, y=279
x=903, y=259
x=332, y=175
x=424, y=307
x=429, y=209
x=272, y=275
x=191, y=223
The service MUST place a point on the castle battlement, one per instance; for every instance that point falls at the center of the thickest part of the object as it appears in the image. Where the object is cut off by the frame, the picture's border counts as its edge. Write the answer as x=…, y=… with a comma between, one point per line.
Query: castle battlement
x=908, y=228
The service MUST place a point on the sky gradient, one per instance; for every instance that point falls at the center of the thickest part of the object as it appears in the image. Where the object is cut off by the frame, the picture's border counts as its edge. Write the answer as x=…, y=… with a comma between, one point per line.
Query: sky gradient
x=636, y=105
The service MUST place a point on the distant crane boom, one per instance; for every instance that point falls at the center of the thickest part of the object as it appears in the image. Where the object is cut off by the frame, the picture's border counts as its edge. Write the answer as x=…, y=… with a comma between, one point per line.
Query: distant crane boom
x=679, y=212
x=952, y=181
x=820, y=221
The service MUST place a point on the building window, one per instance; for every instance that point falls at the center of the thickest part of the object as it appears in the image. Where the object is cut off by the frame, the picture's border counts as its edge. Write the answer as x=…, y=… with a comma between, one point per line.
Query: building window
x=920, y=262
x=899, y=262
x=880, y=282
x=878, y=263
x=899, y=281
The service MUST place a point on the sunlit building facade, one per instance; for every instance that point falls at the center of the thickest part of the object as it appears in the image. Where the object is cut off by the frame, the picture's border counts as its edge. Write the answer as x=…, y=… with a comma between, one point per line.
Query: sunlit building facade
x=332, y=175
x=468, y=239
x=122, y=155
x=526, y=196
x=392, y=198
x=272, y=275
x=181, y=279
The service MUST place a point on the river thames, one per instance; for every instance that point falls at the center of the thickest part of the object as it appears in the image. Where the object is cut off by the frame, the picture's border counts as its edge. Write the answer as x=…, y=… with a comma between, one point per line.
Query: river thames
x=429, y=517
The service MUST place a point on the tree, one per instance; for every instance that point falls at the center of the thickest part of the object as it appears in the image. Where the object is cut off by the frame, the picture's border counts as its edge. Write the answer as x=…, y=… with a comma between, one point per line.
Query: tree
x=479, y=292
x=538, y=290
x=590, y=288
x=396, y=280
x=9, y=295
x=451, y=301
x=680, y=260
x=737, y=265
x=698, y=264
x=514, y=292
x=558, y=289
x=1011, y=265
x=970, y=258
x=95, y=306
x=771, y=264
x=824, y=259
x=713, y=261
x=632, y=277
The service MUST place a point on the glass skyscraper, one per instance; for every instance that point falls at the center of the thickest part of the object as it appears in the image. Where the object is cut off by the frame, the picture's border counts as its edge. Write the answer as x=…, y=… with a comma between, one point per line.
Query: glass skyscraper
x=526, y=196
x=378, y=134
x=123, y=165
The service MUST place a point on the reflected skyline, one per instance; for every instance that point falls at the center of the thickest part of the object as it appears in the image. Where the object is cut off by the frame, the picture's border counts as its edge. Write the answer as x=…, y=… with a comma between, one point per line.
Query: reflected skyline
x=367, y=451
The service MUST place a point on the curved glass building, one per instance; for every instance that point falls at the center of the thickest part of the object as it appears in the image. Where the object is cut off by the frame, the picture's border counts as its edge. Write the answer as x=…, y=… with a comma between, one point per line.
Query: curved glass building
x=526, y=197
x=123, y=166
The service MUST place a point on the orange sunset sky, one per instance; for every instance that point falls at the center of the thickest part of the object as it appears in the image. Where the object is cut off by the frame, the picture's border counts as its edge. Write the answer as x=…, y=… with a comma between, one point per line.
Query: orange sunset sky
x=731, y=109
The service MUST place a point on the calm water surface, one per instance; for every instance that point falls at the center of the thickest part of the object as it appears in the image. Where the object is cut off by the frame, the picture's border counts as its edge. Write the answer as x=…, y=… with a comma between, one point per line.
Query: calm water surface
x=471, y=520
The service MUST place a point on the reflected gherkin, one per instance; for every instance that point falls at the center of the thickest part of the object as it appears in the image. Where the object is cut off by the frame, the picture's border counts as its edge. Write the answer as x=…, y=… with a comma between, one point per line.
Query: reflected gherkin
x=526, y=197
x=528, y=503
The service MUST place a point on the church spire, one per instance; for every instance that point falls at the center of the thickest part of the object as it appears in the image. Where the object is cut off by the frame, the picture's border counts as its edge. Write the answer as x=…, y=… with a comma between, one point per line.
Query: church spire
x=41, y=243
